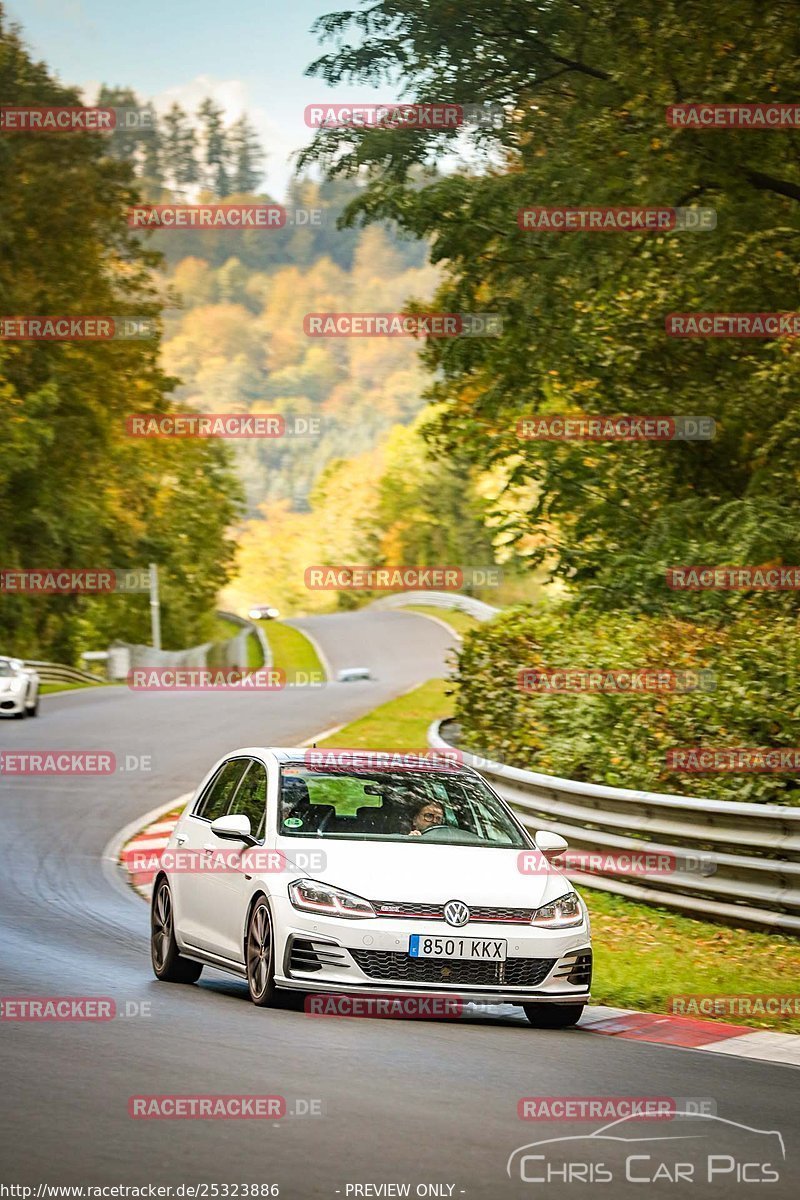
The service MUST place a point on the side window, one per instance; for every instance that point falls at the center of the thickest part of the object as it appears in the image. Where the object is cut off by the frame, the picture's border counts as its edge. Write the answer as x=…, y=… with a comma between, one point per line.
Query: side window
x=203, y=799
x=251, y=798
x=217, y=798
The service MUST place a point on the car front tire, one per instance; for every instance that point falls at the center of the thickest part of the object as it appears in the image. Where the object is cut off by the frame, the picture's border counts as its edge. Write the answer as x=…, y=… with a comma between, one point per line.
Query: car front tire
x=260, y=955
x=168, y=964
x=553, y=1016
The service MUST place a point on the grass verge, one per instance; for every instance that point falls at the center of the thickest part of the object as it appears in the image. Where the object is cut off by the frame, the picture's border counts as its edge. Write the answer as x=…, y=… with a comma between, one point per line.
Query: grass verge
x=47, y=689
x=293, y=653
x=643, y=955
x=460, y=621
x=400, y=724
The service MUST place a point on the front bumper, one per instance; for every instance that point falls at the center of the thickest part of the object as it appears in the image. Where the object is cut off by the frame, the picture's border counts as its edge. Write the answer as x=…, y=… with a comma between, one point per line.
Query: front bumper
x=12, y=703
x=323, y=954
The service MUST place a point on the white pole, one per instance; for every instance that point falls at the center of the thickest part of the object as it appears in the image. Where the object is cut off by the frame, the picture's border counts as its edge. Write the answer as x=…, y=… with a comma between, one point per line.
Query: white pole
x=155, y=607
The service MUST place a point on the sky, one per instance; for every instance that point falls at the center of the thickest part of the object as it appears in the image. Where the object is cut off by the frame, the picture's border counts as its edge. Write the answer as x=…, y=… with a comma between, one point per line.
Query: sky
x=247, y=54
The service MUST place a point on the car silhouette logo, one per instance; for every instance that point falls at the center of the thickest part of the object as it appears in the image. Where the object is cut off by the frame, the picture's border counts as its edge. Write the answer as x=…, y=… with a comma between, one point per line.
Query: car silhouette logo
x=632, y=1131
x=456, y=912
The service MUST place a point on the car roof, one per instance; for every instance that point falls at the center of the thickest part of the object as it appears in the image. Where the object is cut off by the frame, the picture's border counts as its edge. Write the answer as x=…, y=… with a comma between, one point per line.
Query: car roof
x=299, y=754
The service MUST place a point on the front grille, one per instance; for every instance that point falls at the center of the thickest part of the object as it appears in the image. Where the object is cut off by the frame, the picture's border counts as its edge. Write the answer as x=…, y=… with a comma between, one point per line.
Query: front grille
x=518, y=916
x=389, y=908
x=435, y=912
x=388, y=965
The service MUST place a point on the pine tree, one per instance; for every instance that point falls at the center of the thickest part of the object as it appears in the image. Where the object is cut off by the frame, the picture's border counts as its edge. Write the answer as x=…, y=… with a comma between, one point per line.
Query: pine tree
x=150, y=167
x=179, y=149
x=247, y=156
x=124, y=141
x=217, y=149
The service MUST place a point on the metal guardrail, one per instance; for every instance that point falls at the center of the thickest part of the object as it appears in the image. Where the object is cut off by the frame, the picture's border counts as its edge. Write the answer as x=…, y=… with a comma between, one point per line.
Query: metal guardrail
x=231, y=652
x=754, y=849
x=50, y=672
x=468, y=604
x=250, y=627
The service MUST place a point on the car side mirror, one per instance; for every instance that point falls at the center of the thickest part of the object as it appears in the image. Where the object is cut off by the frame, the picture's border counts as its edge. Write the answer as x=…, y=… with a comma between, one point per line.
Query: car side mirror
x=550, y=844
x=233, y=828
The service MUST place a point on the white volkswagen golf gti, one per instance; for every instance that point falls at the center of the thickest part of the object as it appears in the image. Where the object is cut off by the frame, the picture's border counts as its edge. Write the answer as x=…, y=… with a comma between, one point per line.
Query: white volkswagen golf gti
x=335, y=872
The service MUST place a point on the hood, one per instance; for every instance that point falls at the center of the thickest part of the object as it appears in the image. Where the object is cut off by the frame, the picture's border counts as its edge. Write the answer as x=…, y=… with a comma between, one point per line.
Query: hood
x=429, y=874
x=11, y=683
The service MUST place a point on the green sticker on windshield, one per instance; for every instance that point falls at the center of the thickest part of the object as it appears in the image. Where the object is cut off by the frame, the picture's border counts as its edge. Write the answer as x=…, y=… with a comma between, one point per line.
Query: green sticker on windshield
x=293, y=823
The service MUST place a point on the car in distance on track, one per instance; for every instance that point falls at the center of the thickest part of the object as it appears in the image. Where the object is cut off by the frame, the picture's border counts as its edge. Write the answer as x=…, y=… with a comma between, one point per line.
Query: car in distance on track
x=19, y=689
x=357, y=873
x=263, y=612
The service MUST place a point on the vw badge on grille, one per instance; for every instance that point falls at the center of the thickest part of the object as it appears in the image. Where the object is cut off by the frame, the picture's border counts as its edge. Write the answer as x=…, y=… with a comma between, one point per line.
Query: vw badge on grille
x=456, y=912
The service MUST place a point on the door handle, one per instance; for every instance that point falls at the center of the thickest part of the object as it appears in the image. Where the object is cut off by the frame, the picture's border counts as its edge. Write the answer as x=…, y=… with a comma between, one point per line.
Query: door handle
x=180, y=840
x=212, y=848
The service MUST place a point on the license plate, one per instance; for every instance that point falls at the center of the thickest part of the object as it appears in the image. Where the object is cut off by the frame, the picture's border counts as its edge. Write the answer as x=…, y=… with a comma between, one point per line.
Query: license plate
x=485, y=949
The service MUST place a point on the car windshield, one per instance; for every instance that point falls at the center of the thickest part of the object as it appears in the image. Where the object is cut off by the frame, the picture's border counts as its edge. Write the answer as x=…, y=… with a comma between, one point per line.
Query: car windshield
x=417, y=806
x=6, y=668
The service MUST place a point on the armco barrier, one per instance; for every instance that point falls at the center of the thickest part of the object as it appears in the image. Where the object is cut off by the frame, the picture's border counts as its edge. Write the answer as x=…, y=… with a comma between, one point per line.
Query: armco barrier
x=49, y=672
x=755, y=848
x=229, y=653
x=468, y=604
x=251, y=627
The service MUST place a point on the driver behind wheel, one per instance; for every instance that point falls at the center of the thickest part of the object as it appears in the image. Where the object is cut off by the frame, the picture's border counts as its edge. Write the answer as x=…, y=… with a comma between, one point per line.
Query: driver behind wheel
x=427, y=815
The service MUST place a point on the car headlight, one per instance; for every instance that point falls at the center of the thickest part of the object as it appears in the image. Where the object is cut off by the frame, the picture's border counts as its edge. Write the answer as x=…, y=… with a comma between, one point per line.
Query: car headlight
x=310, y=896
x=561, y=913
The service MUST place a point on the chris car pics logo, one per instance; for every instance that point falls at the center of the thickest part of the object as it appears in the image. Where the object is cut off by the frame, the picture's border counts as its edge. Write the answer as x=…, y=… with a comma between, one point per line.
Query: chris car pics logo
x=691, y=1148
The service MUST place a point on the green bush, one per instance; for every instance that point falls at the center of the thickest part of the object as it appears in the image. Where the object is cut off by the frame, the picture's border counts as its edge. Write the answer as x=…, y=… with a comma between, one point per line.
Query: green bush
x=622, y=739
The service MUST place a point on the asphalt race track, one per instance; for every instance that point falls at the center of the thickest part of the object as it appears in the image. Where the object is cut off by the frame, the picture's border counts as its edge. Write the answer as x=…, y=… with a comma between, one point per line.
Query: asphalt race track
x=403, y=1102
